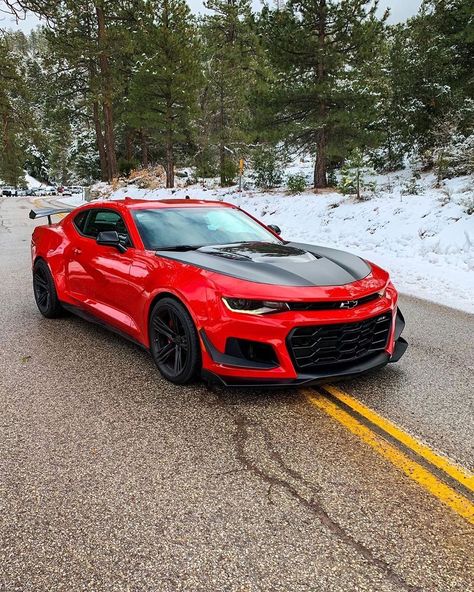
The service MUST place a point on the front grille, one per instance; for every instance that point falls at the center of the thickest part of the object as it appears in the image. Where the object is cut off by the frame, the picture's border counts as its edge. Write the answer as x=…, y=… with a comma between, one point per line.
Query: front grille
x=333, y=304
x=322, y=345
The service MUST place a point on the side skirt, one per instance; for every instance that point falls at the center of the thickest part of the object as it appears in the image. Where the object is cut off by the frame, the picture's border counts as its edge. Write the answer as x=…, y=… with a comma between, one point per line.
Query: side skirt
x=87, y=316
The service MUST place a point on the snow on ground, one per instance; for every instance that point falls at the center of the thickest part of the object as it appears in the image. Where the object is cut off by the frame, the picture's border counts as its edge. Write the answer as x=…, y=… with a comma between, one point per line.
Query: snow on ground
x=425, y=241
x=31, y=182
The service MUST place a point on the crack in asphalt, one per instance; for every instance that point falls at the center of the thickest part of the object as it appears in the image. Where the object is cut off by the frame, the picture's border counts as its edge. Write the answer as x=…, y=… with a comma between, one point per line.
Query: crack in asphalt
x=242, y=437
x=3, y=226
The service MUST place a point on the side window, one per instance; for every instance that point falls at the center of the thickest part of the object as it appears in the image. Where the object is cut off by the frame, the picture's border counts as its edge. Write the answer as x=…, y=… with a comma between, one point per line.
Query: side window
x=100, y=220
x=80, y=220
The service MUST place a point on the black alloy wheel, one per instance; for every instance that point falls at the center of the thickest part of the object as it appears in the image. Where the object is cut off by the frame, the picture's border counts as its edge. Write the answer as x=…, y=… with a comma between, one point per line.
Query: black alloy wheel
x=45, y=291
x=174, y=341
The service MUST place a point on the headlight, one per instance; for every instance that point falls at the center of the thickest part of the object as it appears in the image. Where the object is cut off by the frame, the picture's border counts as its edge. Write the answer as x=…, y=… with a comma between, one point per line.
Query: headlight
x=254, y=307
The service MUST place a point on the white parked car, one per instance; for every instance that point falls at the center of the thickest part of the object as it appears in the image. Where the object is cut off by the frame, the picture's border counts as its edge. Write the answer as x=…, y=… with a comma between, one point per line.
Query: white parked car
x=8, y=191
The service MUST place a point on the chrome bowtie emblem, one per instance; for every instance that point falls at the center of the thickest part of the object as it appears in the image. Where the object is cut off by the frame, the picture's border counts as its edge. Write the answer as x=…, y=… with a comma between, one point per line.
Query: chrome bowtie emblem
x=348, y=304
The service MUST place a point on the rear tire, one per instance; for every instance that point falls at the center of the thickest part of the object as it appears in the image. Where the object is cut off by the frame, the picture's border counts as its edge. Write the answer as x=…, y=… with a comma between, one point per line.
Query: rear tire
x=174, y=342
x=45, y=291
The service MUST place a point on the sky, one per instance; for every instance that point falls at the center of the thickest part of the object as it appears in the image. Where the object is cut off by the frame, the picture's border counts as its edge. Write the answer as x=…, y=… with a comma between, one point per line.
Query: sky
x=400, y=10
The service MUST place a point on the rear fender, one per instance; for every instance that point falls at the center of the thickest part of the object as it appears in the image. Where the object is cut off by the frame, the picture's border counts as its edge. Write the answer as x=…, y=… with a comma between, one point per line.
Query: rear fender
x=48, y=243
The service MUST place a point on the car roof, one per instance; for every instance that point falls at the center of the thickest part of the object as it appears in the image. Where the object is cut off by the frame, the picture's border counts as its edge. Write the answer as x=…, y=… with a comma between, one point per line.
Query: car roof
x=153, y=204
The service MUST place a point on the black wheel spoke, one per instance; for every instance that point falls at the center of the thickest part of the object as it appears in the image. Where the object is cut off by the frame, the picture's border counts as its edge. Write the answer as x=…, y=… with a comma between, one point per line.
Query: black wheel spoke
x=165, y=352
x=41, y=282
x=45, y=292
x=42, y=298
x=163, y=329
x=178, y=359
x=174, y=323
x=41, y=289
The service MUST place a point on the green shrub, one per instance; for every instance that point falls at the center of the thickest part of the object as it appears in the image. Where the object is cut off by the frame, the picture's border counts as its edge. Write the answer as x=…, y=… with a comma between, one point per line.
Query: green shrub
x=229, y=172
x=205, y=162
x=468, y=205
x=456, y=158
x=354, y=180
x=266, y=167
x=411, y=187
x=126, y=166
x=296, y=183
x=332, y=178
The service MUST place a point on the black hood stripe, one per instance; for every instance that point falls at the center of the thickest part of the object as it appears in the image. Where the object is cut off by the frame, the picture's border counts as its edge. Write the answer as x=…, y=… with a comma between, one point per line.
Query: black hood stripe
x=300, y=266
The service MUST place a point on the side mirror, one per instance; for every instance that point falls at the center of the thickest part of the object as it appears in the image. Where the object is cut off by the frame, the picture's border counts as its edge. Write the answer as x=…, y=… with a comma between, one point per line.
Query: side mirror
x=110, y=238
x=275, y=228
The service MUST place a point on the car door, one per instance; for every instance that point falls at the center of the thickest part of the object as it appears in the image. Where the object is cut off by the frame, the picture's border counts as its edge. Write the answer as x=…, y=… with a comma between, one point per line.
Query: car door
x=79, y=269
x=100, y=274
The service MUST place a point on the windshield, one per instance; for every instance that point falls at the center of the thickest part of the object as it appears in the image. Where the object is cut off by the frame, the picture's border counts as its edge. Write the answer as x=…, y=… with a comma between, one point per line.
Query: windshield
x=198, y=227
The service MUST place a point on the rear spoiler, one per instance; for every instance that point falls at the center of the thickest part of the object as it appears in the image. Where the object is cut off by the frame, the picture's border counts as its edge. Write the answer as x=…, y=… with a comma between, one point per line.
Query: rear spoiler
x=48, y=212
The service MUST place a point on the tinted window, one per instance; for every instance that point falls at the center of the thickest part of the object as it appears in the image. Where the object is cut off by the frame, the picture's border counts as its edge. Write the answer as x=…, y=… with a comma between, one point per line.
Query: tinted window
x=100, y=220
x=198, y=227
x=80, y=220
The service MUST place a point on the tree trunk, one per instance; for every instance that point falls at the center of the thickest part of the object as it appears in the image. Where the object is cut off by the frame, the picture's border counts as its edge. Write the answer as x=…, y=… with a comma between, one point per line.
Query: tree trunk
x=106, y=85
x=320, y=166
x=99, y=138
x=223, y=179
x=144, y=148
x=223, y=176
x=169, y=164
x=5, y=133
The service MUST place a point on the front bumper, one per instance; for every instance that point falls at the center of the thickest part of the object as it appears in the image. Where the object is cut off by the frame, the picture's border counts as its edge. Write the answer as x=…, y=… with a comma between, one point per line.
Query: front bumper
x=225, y=370
x=373, y=363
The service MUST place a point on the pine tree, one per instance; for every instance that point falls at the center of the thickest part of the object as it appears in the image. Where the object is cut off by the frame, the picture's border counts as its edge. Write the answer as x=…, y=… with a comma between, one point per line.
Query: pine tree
x=163, y=89
x=85, y=39
x=14, y=116
x=430, y=69
x=322, y=97
x=231, y=58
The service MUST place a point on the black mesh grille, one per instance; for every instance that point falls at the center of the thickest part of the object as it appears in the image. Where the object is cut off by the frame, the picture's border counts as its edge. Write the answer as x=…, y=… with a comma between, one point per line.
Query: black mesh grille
x=321, y=345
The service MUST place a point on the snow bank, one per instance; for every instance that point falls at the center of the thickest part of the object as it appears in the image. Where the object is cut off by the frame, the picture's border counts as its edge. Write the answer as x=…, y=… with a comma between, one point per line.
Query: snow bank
x=31, y=182
x=426, y=241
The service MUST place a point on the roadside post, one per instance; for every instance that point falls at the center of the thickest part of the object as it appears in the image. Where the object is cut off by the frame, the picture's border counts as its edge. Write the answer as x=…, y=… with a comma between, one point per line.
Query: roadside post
x=241, y=171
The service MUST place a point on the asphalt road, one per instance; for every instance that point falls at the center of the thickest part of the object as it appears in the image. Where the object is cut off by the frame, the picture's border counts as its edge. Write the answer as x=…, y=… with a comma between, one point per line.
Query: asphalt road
x=113, y=479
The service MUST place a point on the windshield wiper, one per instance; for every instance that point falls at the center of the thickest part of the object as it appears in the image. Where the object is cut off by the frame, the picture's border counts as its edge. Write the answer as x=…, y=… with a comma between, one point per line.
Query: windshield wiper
x=179, y=248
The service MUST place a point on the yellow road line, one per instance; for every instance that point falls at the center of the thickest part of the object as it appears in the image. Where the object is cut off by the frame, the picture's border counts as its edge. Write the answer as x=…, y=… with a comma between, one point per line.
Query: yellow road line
x=461, y=475
x=412, y=469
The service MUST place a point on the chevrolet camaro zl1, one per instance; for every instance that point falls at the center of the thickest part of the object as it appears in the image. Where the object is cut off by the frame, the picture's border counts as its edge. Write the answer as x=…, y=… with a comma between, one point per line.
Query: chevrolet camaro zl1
x=208, y=289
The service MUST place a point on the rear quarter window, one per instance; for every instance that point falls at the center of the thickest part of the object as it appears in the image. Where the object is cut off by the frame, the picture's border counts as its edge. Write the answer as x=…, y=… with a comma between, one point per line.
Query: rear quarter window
x=80, y=220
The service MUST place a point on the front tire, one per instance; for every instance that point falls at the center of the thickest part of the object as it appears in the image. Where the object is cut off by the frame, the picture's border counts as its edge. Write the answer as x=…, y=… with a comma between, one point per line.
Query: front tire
x=174, y=342
x=45, y=291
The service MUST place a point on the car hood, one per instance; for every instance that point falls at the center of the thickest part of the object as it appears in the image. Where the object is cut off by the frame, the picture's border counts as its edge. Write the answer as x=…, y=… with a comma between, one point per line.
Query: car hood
x=282, y=264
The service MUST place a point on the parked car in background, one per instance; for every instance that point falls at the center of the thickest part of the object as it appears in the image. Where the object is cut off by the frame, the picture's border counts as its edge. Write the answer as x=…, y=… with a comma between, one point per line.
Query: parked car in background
x=72, y=190
x=50, y=190
x=36, y=191
x=8, y=191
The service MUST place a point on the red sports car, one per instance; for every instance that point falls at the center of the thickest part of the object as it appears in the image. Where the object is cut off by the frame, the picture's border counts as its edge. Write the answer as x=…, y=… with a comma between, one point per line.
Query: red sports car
x=207, y=288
